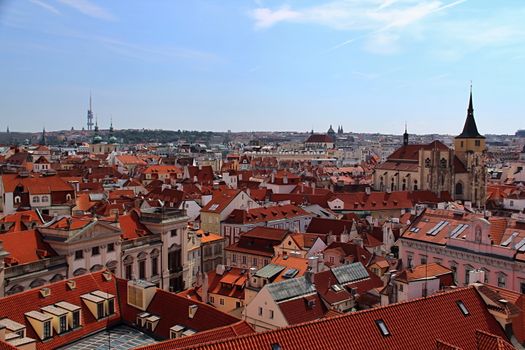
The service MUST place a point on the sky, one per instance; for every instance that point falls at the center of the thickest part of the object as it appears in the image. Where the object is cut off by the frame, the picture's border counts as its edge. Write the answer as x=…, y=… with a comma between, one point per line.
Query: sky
x=368, y=65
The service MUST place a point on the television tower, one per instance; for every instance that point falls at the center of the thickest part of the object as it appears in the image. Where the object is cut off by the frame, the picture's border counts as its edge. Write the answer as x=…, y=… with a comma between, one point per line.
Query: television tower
x=90, y=115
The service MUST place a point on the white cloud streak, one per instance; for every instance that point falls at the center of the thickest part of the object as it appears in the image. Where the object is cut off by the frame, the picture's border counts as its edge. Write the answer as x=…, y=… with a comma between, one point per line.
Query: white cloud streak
x=89, y=9
x=369, y=19
x=45, y=6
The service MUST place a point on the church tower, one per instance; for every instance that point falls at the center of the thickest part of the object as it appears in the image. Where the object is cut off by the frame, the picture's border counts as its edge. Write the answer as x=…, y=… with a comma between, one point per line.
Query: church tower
x=405, y=136
x=470, y=149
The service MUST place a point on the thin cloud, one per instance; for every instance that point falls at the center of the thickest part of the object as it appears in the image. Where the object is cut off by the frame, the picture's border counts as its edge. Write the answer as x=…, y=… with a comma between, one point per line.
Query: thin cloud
x=89, y=9
x=364, y=18
x=45, y=6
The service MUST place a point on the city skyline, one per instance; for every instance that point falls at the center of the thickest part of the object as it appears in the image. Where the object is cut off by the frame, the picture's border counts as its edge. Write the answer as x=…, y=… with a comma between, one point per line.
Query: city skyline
x=262, y=66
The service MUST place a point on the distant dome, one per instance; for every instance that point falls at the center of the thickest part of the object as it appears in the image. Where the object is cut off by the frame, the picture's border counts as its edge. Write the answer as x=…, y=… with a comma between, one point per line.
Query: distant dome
x=112, y=139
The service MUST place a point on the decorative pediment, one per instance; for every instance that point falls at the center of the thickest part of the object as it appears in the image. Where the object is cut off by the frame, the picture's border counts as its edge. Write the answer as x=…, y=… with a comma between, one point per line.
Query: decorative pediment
x=95, y=230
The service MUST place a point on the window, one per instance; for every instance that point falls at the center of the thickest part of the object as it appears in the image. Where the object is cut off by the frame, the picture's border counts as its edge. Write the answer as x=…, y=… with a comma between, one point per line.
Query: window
x=400, y=287
x=522, y=288
x=260, y=311
x=212, y=300
x=111, y=306
x=462, y=143
x=410, y=260
x=427, y=163
x=142, y=269
x=95, y=251
x=129, y=270
x=100, y=310
x=79, y=254
x=63, y=324
x=382, y=328
x=477, y=143
x=415, y=185
x=17, y=199
x=221, y=301
x=443, y=163
x=111, y=247
x=502, y=280
x=68, y=197
x=467, y=274
x=234, y=258
x=511, y=203
x=270, y=314
x=173, y=233
x=76, y=318
x=45, y=198
x=47, y=329
x=423, y=259
x=244, y=259
x=154, y=266
x=459, y=188
x=254, y=261
x=36, y=199
x=462, y=308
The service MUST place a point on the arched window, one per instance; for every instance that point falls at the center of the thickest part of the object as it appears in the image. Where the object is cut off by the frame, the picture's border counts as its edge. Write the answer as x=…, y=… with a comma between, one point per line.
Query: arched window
x=56, y=278
x=427, y=163
x=79, y=272
x=36, y=199
x=68, y=197
x=45, y=198
x=37, y=283
x=17, y=200
x=477, y=235
x=459, y=188
x=443, y=163
x=415, y=185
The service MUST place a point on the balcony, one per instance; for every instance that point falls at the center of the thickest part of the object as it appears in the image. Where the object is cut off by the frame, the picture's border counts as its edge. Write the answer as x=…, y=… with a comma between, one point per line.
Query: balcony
x=159, y=215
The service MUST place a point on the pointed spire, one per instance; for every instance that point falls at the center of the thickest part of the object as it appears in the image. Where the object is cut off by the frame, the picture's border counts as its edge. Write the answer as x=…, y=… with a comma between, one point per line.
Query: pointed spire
x=43, y=138
x=470, y=129
x=405, y=136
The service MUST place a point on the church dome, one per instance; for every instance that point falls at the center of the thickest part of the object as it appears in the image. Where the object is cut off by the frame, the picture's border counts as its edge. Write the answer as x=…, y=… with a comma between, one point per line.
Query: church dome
x=97, y=139
x=112, y=139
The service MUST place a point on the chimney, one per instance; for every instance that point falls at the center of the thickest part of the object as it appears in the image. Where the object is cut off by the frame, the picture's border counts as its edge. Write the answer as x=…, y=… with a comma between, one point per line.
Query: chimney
x=313, y=264
x=205, y=288
x=192, y=310
x=368, y=191
x=476, y=276
x=220, y=269
x=309, y=276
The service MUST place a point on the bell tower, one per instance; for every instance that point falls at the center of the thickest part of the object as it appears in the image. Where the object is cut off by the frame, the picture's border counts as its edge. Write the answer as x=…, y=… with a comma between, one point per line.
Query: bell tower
x=470, y=149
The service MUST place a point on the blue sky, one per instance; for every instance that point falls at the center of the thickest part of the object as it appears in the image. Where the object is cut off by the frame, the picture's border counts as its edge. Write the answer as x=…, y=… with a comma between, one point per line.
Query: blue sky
x=369, y=65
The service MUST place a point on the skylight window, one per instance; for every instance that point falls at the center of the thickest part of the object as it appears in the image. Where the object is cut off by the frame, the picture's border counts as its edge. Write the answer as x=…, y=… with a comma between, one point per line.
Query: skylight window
x=463, y=308
x=382, y=327
x=214, y=206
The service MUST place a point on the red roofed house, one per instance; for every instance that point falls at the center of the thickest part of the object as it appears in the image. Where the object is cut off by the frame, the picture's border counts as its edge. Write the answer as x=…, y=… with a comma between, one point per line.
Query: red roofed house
x=255, y=248
x=319, y=141
x=50, y=194
x=221, y=205
x=464, y=242
x=78, y=309
x=455, y=320
x=288, y=217
x=418, y=282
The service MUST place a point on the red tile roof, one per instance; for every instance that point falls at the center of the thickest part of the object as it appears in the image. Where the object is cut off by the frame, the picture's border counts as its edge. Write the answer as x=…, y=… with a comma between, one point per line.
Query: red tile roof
x=173, y=310
x=263, y=214
x=234, y=330
x=412, y=325
x=15, y=306
x=25, y=247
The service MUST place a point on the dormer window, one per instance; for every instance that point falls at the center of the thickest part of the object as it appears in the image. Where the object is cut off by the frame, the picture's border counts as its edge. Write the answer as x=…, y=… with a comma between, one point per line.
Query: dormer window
x=47, y=329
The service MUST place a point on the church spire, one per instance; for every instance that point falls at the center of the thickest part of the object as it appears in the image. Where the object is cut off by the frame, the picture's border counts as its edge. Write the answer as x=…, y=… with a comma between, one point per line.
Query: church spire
x=43, y=138
x=405, y=136
x=470, y=130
